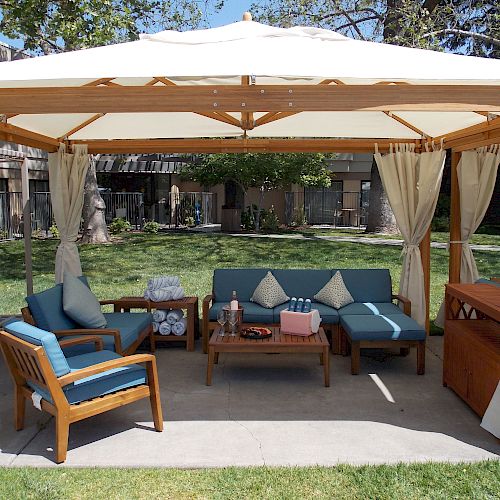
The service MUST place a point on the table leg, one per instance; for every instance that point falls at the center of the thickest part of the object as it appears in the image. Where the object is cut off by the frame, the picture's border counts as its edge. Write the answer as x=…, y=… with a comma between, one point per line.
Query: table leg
x=326, y=366
x=216, y=359
x=152, y=341
x=190, y=329
x=210, y=366
x=196, y=319
x=321, y=359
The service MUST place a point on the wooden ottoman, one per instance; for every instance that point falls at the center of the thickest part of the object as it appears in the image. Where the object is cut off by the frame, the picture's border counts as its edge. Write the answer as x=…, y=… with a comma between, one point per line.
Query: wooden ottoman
x=382, y=332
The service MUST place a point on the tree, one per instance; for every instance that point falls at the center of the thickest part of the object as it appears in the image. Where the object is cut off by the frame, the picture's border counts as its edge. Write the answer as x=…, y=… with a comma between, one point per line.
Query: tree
x=265, y=171
x=460, y=26
x=53, y=26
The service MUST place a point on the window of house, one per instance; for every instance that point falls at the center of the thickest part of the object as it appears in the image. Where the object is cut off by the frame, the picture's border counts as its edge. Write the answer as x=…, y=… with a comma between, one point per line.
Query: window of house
x=365, y=194
x=3, y=185
x=38, y=186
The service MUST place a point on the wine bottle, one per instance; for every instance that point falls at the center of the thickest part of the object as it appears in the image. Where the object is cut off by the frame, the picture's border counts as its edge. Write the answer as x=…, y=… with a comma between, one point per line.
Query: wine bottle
x=291, y=305
x=234, y=302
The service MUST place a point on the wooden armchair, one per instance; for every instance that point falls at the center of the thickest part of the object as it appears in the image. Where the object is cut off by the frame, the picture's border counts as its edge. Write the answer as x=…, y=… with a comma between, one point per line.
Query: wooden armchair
x=73, y=389
x=112, y=336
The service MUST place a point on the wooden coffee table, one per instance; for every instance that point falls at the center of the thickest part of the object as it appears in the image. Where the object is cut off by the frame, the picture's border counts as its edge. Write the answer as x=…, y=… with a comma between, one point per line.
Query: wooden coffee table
x=279, y=342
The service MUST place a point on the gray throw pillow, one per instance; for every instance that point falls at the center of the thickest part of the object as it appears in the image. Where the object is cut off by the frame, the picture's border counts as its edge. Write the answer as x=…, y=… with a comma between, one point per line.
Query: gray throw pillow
x=269, y=292
x=80, y=304
x=335, y=293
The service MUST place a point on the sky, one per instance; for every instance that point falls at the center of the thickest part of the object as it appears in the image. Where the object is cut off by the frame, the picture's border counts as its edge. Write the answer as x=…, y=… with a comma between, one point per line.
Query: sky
x=232, y=11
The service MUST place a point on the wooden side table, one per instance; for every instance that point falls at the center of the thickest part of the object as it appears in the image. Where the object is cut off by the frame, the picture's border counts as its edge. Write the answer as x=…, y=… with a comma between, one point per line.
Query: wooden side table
x=189, y=304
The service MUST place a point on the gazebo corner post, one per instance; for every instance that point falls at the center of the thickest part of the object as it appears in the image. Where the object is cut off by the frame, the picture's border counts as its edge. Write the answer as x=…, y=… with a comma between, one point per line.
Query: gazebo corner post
x=455, y=220
x=28, y=256
x=425, y=257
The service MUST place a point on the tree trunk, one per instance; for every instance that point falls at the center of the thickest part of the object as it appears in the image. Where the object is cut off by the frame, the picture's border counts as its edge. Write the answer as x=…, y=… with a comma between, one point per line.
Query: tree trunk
x=259, y=210
x=380, y=216
x=94, y=220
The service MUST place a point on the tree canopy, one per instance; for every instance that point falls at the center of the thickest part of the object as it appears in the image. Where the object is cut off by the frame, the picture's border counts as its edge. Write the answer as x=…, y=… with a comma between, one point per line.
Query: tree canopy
x=462, y=26
x=50, y=26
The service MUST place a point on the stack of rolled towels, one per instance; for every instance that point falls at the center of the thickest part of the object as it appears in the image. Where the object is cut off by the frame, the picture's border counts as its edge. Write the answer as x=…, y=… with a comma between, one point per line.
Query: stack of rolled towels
x=164, y=288
x=170, y=322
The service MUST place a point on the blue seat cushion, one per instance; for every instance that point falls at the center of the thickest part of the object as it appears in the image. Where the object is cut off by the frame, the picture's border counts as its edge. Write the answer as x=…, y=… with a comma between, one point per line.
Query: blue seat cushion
x=130, y=326
x=47, y=308
x=368, y=285
x=370, y=308
x=303, y=283
x=99, y=384
x=38, y=337
x=252, y=312
x=390, y=327
x=244, y=281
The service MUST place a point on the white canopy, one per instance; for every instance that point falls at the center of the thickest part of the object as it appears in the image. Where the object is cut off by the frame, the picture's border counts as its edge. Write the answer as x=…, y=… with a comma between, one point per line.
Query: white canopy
x=269, y=56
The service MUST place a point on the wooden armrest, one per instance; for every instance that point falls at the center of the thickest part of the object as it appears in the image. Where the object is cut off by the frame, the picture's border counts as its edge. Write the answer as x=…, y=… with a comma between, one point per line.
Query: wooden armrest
x=496, y=279
x=104, y=367
x=406, y=303
x=93, y=331
x=127, y=303
x=99, y=344
x=207, y=300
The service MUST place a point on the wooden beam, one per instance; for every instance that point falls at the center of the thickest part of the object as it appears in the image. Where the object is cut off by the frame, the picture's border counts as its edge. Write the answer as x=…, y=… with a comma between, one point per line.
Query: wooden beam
x=11, y=133
x=100, y=81
x=455, y=232
x=486, y=126
x=247, y=121
x=425, y=256
x=390, y=114
x=257, y=98
x=238, y=145
x=82, y=125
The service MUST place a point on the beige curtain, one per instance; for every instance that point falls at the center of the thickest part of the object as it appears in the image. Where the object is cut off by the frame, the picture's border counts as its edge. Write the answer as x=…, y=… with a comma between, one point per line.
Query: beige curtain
x=67, y=173
x=477, y=173
x=412, y=181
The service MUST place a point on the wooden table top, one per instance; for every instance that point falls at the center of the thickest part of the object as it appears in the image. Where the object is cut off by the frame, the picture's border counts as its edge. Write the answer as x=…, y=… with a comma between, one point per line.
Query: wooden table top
x=278, y=338
x=167, y=304
x=481, y=296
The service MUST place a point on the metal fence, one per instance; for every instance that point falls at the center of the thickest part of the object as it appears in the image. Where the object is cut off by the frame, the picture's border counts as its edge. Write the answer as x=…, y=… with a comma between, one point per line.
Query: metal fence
x=338, y=208
x=180, y=209
x=177, y=210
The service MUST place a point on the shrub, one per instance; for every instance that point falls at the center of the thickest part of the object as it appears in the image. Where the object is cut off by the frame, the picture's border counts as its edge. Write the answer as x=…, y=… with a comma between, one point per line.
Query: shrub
x=247, y=220
x=119, y=225
x=299, y=217
x=151, y=227
x=189, y=221
x=441, y=224
x=54, y=231
x=3, y=234
x=269, y=220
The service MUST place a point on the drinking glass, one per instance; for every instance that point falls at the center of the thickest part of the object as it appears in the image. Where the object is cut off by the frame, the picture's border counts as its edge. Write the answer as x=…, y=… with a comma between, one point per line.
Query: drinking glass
x=233, y=321
x=222, y=320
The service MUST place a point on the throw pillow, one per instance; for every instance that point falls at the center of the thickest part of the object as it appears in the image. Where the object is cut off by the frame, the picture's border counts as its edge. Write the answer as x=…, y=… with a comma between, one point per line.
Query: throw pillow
x=335, y=293
x=80, y=304
x=269, y=292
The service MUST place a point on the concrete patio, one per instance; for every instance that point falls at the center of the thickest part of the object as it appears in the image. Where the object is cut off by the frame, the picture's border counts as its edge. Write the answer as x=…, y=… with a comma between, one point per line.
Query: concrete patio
x=267, y=409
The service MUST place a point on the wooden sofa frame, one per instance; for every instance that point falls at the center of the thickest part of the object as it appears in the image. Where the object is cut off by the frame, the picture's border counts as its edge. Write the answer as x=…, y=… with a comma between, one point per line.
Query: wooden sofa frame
x=338, y=339
x=117, y=307
x=27, y=362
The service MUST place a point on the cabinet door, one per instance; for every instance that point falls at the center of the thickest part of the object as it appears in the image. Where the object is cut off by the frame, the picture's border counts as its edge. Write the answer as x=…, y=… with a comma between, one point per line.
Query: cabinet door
x=455, y=362
x=484, y=373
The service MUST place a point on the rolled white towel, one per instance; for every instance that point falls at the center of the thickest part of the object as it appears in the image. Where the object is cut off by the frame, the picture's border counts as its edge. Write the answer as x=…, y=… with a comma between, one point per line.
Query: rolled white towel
x=159, y=315
x=165, y=328
x=160, y=295
x=179, y=328
x=162, y=282
x=156, y=326
x=177, y=293
x=174, y=315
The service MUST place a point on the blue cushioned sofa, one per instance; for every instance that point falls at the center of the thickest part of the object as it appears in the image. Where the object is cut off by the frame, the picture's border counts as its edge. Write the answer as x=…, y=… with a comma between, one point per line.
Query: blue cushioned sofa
x=124, y=333
x=371, y=290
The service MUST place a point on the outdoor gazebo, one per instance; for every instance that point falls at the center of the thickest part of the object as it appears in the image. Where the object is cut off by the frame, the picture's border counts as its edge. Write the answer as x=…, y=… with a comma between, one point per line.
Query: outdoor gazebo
x=247, y=87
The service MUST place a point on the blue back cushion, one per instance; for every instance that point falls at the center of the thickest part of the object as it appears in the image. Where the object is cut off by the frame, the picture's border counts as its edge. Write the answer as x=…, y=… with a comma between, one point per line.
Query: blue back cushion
x=47, y=309
x=488, y=282
x=38, y=337
x=244, y=281
x=367, y=285
x=302, y=282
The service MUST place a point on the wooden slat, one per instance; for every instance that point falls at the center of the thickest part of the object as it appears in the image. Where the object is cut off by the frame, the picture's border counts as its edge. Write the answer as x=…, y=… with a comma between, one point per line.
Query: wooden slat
x=12, y=133
x=240, y=145
x=257, y=98
x=405, y=123
x=81, y=125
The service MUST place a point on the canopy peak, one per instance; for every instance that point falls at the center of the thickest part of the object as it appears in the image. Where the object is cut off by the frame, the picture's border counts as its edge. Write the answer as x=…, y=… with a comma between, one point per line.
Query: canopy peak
x=247, y=16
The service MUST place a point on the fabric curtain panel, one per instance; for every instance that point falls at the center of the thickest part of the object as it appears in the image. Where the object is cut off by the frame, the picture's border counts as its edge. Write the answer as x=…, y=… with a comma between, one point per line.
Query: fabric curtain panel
x=412, y=182
x=67, y=173
x=477, y=173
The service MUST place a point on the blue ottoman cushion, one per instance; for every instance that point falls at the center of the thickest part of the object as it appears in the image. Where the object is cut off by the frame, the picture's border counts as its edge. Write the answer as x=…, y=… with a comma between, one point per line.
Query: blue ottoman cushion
x=390, y=327
x=371, y=308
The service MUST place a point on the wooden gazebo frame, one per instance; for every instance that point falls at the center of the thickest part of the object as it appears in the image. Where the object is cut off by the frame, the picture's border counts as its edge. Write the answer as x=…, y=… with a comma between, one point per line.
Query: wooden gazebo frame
x=276, y=101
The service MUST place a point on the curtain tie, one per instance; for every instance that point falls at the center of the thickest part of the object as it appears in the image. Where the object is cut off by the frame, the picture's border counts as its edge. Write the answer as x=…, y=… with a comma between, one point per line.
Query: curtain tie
x=407, y=247
x=456, y=242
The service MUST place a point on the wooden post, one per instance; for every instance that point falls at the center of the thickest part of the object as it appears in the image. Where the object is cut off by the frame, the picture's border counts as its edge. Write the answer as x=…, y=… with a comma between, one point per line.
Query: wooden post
x=455, y=233
x=425, y=256
x=28, y=266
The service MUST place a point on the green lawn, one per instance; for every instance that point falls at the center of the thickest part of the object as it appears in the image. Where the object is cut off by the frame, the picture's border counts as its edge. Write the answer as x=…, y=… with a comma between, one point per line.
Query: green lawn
x=123, y=268
x=420, y=481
